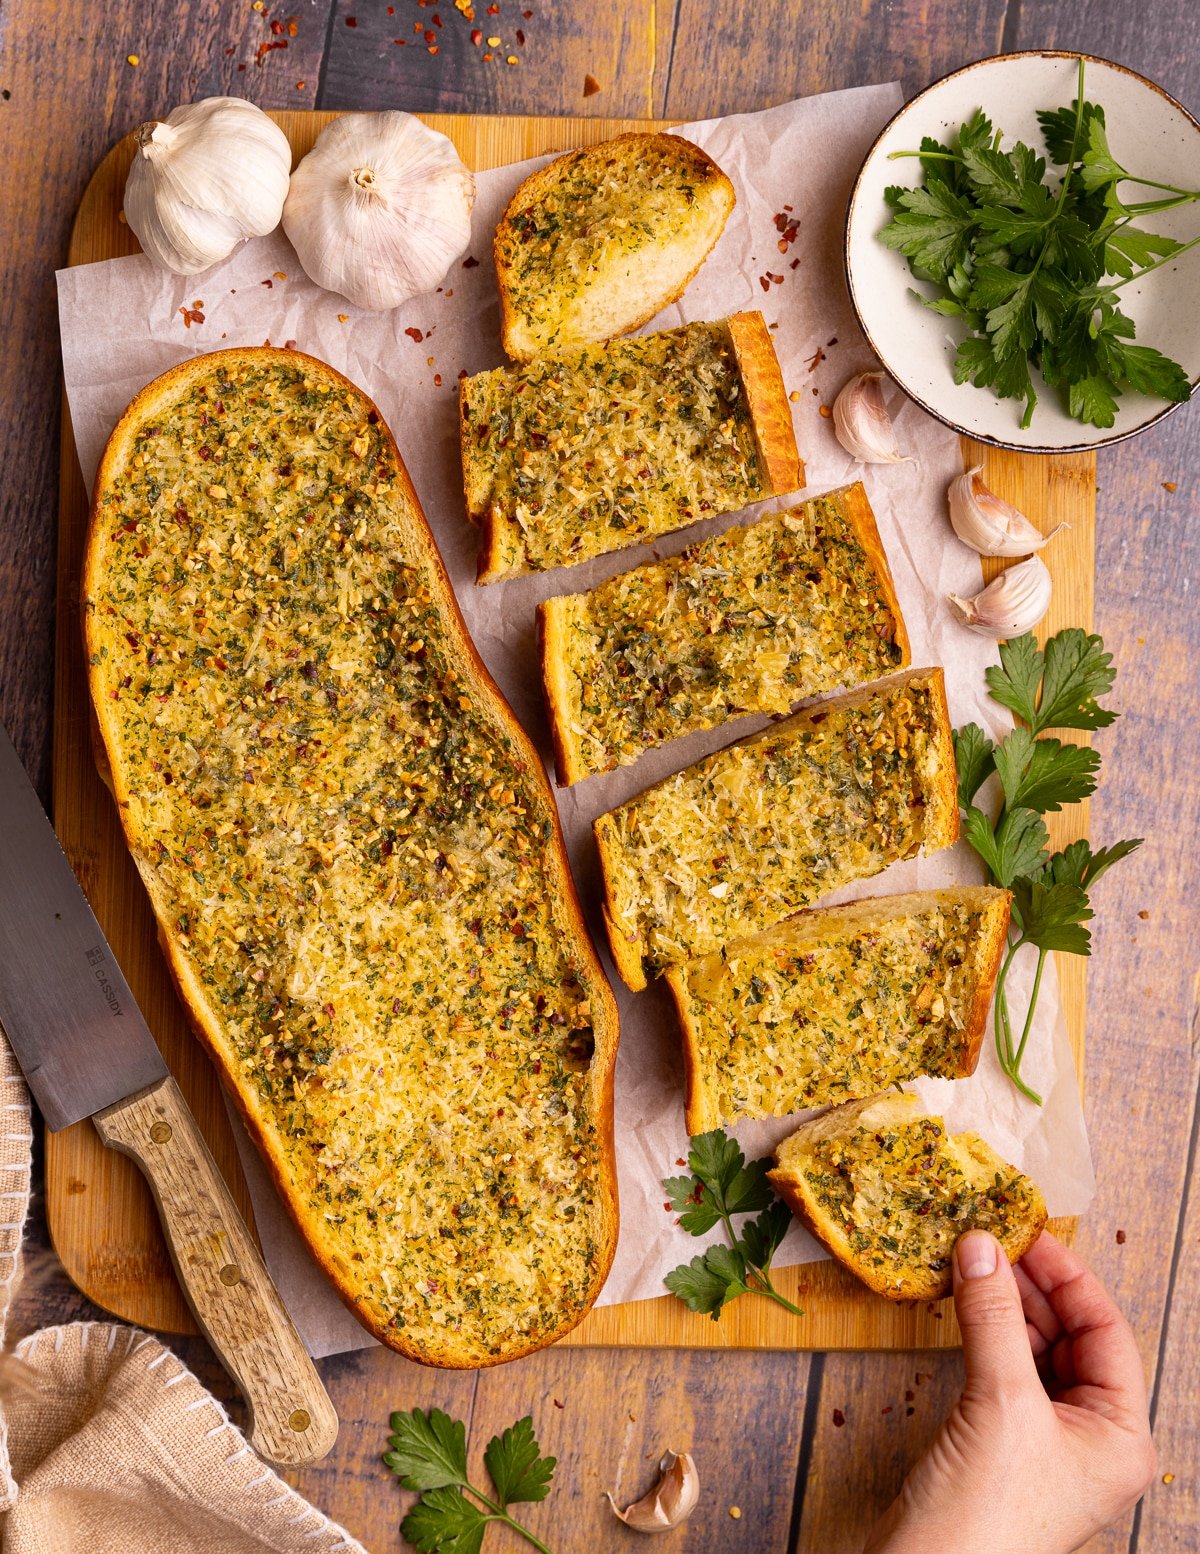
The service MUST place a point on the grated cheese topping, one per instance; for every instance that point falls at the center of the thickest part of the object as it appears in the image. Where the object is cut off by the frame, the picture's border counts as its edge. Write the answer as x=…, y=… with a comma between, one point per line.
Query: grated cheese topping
x=352, y=857
x=588, y=450
x=834, y=1007
x=767, y=826
x=753, y=620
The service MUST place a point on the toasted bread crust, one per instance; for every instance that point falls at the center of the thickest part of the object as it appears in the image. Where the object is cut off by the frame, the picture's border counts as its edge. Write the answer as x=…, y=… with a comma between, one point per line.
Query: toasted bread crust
x=857, y=511
x=942, y=823
x=153, y=403
x=634, y=145
x=700, y=1105
x=553, y=624
x=915, y=1282
x=770, y=412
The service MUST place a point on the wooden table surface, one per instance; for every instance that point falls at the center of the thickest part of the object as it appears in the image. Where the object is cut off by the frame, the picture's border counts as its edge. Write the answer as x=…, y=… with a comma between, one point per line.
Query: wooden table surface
x=761, y=1425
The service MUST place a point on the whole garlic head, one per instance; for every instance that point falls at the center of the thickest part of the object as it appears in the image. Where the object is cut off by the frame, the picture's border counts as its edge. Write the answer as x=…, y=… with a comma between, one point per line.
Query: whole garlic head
x=204, y=178
x=379, y=209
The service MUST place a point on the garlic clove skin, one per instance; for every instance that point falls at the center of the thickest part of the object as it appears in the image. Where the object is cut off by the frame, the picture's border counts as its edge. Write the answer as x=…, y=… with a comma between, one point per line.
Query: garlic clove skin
x=861, y=422
x=209, y=175
x=1011, y=604
x=379, y=209
x=987, y=523
x=670, y=1502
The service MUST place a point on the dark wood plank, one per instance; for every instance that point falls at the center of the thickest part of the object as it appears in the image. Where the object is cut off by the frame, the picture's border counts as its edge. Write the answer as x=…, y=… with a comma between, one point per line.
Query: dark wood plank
x=1157, y=39
x=438, y=54
x=739, y=57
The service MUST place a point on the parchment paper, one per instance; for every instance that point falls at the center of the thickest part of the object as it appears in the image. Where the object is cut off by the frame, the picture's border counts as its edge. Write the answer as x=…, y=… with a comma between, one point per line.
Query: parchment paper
x=123, y=322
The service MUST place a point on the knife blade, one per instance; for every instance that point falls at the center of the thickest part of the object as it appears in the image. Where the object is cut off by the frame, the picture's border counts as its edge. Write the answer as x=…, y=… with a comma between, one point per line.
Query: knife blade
x=86, y=1051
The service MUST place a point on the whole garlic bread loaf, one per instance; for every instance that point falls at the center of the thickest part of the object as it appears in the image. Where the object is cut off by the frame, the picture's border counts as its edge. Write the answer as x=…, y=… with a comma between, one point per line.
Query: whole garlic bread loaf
x=773, y=822
x=752, y=620
x=591, y=449
x=353, y=856
x=889, y=1192
x=839, y=1003
x=597, y=242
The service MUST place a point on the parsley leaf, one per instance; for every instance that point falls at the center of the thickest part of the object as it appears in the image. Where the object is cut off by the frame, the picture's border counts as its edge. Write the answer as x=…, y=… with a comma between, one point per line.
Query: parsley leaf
x=429, y=1455
x=1126, y=247
x=1044, y=774
x=1078, y=865
x=1077, y=672
x=1015, y=683
x=1051, y=916
x=973, y=758
x=428, y=1450
x=1016, y=846
x=932, y=229
x=1058, y=127
x=724, y=1185
x=1100, y=167
x=516, y=1465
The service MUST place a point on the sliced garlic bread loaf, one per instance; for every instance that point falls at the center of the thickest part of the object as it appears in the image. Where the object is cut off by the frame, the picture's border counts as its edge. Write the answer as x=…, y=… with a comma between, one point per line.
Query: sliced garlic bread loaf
x=773, y=822
x=889, y=1192
x=752, y=620
x=839, y=1003
x=353, y=855
x=588, y=450
x=598, y=241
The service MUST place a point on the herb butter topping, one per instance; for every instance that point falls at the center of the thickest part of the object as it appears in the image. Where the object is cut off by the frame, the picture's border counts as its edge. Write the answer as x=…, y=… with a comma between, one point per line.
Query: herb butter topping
x=352, y=856
x=838, y=1004
x=753, y=620
x=768, y=825
x=591, y=449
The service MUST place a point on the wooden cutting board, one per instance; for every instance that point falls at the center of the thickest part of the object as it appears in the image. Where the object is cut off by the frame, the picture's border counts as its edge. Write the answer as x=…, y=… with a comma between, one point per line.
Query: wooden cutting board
x=102, y=1220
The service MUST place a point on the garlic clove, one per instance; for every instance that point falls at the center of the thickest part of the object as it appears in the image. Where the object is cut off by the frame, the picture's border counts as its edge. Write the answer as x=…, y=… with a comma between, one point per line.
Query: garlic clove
x=379, y=209
x=862, y=424
x=987, y=523
x=1011, y=604
x=670, y=1502
x=209, y=175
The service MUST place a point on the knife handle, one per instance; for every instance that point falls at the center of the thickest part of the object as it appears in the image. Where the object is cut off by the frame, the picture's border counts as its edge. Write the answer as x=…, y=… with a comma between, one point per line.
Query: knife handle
x=223, y=1276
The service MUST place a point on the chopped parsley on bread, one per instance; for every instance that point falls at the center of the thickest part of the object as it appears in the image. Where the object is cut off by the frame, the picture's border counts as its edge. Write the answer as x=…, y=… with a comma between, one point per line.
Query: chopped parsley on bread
x=773, y=822
x=353, y=856
x=752, y=620
x=889, y=1192
x=597, y=447
x=839, y=1003
x=597, y=242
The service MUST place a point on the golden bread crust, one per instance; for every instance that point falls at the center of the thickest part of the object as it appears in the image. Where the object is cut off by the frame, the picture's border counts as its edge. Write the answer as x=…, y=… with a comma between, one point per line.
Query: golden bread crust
x=770, y=412
x=153, y=403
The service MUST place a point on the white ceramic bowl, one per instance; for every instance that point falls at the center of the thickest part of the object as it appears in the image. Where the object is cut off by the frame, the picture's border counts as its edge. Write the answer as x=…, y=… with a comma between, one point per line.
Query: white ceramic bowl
x=1148, y=132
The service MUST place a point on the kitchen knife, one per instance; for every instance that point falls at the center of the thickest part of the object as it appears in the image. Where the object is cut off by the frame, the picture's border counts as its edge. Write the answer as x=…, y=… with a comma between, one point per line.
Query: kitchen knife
x=86, y=1051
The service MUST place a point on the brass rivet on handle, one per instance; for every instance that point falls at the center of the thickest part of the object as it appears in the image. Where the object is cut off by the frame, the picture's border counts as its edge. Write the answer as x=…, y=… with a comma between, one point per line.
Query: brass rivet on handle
x=160, y=1132
x=299, y=1419
x=230, y=1274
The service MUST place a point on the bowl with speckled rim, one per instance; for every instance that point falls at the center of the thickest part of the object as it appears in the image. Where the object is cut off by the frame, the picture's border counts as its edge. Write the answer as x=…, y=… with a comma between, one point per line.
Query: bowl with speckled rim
x=1148, y=132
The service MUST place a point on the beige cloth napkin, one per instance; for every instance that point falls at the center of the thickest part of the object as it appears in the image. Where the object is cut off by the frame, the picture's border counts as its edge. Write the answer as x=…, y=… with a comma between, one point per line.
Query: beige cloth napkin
x=108, y=1443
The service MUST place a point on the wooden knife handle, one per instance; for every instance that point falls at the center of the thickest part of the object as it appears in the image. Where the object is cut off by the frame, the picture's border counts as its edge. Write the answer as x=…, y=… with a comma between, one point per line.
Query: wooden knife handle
x=227, y=1286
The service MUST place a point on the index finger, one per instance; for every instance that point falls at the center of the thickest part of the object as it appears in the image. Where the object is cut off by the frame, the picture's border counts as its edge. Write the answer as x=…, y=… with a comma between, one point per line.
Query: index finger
x=1104, y=1353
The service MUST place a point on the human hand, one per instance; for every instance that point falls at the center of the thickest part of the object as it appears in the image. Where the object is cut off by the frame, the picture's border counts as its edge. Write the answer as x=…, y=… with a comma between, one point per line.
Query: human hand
x=1050, y=1440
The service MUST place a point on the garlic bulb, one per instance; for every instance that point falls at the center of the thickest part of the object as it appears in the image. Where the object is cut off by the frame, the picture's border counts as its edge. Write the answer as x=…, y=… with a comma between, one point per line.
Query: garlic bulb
x=670, y=1502
x=207, y=176
x=1011, y=604
x=862, y=424
x=989, y=524
x=379, y=208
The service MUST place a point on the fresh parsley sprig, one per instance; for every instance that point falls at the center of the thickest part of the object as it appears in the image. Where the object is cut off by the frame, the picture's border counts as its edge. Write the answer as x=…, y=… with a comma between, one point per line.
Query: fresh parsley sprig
x=722, y=1184
x=1058, y=688
x=1023, y=265
x=428, y=1454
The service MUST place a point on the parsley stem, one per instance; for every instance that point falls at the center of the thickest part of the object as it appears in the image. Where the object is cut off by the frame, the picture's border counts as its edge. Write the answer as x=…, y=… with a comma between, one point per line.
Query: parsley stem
x=499, y=1514
x=769, y=1290
x=1170, y=188
x=1158, y=263
x=1033, y=998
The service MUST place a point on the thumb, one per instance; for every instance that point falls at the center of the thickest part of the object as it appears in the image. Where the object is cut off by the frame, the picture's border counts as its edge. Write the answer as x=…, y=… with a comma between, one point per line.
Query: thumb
x=988, y=1305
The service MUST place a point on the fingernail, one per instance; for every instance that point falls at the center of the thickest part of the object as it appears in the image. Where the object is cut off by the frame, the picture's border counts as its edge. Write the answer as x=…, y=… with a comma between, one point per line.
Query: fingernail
x=977, y=1255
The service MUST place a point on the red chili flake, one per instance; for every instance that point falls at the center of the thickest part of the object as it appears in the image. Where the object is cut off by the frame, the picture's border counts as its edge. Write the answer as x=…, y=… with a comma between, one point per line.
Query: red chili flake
x=1120, y=1238
x=206, y=453
x=433, y=49
x=909, y=1395
x=300, y=85
x=493, y=10
x=590, y=86
x=764, y=283
x=886, y=1410
x=191, y=316
x=557, y=1404
x=436, y=19
x=476, y=36
x=470, y=262
x=352, y=21
x=815, y=360
x=489, y=55
x=437, y=380
x=839, y=1419
x=430, y=35
x=527, y=14
x=418, y=26
x=909, y=1412
x=795, y=264
x=269, y=284
x=277, y=29
x=414, y=334
x=242, y=67
x=831, y=342
x=776, y=280
x=293, y=27
x=521, y=37
x=401, y=41
x=228, y=52
x=391, y=10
